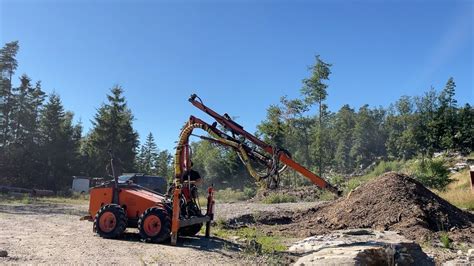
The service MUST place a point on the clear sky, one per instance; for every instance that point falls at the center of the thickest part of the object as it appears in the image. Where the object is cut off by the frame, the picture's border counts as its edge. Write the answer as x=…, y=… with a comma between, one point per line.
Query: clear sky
x=238, y=56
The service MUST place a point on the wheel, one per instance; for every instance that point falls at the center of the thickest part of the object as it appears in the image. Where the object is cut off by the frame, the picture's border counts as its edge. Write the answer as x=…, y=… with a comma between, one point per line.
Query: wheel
x=110, y=221
x=154, y=225
x=191, y=230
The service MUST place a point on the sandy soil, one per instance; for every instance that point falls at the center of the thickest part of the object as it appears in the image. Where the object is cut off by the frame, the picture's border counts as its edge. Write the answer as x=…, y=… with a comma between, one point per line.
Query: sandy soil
x=53, y=234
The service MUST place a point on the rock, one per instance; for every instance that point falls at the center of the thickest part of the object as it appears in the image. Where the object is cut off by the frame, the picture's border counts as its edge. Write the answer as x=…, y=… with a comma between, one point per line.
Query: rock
x=458, y=262
x=470, y=253
x=360, y=247
x=3, y=253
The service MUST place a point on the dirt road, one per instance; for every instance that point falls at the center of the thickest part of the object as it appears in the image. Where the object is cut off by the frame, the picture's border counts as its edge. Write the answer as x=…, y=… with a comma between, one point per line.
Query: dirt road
x=52, y=233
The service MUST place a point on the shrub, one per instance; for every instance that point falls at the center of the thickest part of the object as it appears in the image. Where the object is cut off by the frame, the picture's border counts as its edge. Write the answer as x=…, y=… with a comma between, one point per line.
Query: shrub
x=249, y=192
x=431, y=173
x=337, y=180
x=230, y=195
x=445, y=241
x=278, y=198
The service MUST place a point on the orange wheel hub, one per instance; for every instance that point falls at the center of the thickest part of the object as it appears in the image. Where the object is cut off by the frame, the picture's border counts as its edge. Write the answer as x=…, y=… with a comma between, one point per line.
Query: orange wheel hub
x=107, y=222
x=152, y=225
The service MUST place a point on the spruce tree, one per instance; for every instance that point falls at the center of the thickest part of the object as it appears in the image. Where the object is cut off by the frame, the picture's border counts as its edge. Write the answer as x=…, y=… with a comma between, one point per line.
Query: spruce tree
x=59, y=144
x=8, y=65
x=112, y=130
x=148, y=156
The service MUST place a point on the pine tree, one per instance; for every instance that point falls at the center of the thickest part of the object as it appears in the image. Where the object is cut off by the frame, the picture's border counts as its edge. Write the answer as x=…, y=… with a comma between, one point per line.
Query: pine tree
x=273, y=128
x=163, y=164
x=425, y=122
x=315, y=92
x=112, y=130
x=368, y=136
x=446, y=114
x=344, y=126
x=464, y=136
x=8, y=65
x=401, y=142
x=148, y=156
x=60, y=145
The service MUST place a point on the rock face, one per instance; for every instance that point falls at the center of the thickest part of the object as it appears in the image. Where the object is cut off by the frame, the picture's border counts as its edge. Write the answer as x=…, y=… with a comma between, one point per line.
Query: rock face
x=360, y=247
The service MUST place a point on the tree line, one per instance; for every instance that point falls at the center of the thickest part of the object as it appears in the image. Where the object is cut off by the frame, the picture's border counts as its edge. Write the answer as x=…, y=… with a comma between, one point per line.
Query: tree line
x=42, y=147
x=349, y=140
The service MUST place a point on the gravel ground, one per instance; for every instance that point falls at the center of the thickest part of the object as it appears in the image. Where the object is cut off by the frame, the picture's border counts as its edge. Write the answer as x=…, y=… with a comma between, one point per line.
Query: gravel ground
x=232, y=210
x=52, y=234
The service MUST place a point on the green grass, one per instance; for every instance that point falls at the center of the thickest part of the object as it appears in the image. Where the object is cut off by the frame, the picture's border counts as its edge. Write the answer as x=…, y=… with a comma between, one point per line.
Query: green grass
x=256, y=241
x=273, y=198
x=230, y=195
x=445, y=241
x=459, y=191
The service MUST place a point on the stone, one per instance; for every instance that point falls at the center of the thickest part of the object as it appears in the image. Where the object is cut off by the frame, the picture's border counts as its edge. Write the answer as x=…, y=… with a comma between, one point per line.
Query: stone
x=470, y=253
x=3, y=253
x=360, y=247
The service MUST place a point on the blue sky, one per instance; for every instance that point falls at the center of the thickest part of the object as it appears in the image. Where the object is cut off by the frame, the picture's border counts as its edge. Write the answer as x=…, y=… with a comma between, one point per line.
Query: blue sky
x=238, y=56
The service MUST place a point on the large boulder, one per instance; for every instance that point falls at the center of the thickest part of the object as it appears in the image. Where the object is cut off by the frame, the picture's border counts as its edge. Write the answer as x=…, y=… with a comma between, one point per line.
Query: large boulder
x=360, y=247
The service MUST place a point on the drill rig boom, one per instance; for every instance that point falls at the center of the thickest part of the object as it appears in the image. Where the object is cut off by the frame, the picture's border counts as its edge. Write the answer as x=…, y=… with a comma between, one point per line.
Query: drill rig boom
x=248, y=147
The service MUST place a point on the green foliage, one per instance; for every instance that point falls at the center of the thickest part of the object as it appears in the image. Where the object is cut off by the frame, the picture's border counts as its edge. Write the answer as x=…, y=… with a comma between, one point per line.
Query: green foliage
x=250, y=192
x=112, y=130
x=431, y=172
x=327, y=196
x=256, y=242
x=230, y=195
x=273, y=198
x=337, y=180
x=444, y=239
x=152, y=161
x=41, y=146
x=381, y=168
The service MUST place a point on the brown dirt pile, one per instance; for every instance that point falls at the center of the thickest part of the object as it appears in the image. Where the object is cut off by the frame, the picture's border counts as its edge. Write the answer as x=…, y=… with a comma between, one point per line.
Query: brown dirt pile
x=390, y=202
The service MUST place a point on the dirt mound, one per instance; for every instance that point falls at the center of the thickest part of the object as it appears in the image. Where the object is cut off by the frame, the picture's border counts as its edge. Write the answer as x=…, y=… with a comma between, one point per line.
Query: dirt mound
x=390, y=202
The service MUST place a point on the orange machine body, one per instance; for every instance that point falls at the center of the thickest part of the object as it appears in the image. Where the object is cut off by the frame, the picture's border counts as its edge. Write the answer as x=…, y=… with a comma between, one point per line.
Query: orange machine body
x=134, y=200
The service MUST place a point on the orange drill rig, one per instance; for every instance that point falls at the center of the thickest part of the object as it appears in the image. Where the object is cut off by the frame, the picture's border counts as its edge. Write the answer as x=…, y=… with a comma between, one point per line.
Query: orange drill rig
x=114, y=206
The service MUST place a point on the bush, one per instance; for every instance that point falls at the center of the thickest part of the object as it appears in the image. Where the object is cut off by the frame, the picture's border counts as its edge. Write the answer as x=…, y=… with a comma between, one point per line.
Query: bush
x=279, y=198
x=337, y=180
x=444, y=239
x=384, y=167
x=230, y=195
x=431, y=173
x=250, y=192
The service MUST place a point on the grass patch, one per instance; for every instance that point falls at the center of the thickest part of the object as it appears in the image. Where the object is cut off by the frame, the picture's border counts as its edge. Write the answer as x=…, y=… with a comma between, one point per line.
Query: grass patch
x=459, y=191
x=381, y=168
x=327, y=196
x=230, y=195
x=273, y=198
x=444, y=239
x=256, y=241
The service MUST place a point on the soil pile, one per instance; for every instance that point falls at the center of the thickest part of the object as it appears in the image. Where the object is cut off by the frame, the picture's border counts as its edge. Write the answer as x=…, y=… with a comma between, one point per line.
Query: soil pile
x=390, y=202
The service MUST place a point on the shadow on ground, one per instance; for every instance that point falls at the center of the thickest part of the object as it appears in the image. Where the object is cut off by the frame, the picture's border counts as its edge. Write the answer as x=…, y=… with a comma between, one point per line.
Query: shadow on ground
x=41, y=209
